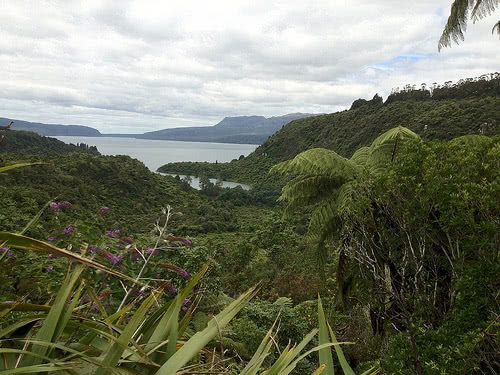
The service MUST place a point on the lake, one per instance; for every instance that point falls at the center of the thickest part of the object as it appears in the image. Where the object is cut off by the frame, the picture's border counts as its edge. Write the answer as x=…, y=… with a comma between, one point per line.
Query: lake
x=155, y=153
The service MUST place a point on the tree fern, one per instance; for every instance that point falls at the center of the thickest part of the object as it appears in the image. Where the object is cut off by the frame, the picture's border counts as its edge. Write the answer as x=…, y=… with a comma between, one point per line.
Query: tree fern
x=331, y=182
x=319, y=162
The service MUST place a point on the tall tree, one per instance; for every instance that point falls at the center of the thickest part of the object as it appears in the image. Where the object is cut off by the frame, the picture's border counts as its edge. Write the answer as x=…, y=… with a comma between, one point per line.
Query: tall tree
x=459, y=15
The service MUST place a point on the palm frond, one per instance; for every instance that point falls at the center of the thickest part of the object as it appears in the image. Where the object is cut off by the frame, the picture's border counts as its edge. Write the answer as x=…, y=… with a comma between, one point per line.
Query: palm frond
x=497, y=27
x=483, y=8
x=456, y=24
x=457, y=21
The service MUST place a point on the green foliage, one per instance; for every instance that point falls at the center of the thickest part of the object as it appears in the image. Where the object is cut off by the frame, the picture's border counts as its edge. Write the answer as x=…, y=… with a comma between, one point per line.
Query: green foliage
x=16, y=141
x=330, y=181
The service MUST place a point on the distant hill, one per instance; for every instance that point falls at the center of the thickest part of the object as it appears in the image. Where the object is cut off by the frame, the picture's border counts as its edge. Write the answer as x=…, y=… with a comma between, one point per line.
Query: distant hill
x=240, y=129
x=29, y=143
x=52, y=130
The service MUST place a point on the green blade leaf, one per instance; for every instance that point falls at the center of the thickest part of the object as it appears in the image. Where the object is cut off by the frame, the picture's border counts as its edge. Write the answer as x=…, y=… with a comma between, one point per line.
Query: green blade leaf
x=343, y=362
x=200, y=339
x=116, y=350
x=325, y=354
x=54, y=323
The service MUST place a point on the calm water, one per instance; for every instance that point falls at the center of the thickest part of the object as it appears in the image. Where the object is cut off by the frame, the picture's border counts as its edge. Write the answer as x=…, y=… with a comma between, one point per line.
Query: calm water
x=155, y=153
x=195, y=182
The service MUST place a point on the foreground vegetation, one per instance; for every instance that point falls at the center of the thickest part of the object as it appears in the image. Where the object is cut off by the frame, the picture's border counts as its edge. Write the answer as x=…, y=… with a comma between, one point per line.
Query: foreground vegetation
x=400, y=240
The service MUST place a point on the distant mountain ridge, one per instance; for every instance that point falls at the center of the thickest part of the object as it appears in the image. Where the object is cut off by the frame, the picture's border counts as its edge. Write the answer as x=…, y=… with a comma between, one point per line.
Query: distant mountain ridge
x=238, y=129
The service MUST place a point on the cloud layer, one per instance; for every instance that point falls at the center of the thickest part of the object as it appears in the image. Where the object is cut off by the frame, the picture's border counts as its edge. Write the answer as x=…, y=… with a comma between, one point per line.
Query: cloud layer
x=134, y=66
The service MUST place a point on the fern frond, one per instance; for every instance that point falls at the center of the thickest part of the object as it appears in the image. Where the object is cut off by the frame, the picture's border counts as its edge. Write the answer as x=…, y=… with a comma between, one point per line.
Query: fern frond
x=306, y=190
x=317, y=162
x=325, y=219
x=284, y=302
x=361, y=156
x=399, y=132
x=384, y=148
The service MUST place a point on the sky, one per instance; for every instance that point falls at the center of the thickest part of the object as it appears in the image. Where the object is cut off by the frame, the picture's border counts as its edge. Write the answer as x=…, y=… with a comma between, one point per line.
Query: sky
x=134, y=66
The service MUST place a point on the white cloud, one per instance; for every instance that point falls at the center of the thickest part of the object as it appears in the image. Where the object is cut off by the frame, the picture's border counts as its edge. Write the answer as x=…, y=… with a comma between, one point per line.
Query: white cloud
x=133, y=66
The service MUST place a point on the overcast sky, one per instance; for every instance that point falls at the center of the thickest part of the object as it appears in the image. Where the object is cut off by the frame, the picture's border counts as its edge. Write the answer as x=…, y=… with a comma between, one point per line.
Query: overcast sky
x=133, y=66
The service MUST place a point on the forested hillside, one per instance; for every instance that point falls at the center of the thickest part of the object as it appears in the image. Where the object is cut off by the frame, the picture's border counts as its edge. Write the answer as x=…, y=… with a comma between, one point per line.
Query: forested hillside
x=34, y=144
x=90, y=182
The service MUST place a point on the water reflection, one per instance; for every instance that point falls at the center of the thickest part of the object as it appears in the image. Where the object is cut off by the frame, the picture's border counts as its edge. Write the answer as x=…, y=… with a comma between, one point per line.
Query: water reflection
x=195, y=181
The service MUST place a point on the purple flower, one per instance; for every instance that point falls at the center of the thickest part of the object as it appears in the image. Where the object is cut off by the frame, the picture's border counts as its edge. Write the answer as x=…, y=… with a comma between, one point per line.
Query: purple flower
x=68, y=230
x=50, y=268
x=64, y=204
x=53, y=256
x=92, y=248
x=52, y=238
x=182, y=272
x=151, y=251
x=187, y=242
x=94, y=308
x=172, y=289
x=113, y=233
x=54, y=206
x=104, y=210
x=113, y=259
x=186, y=303
x=6, y=250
